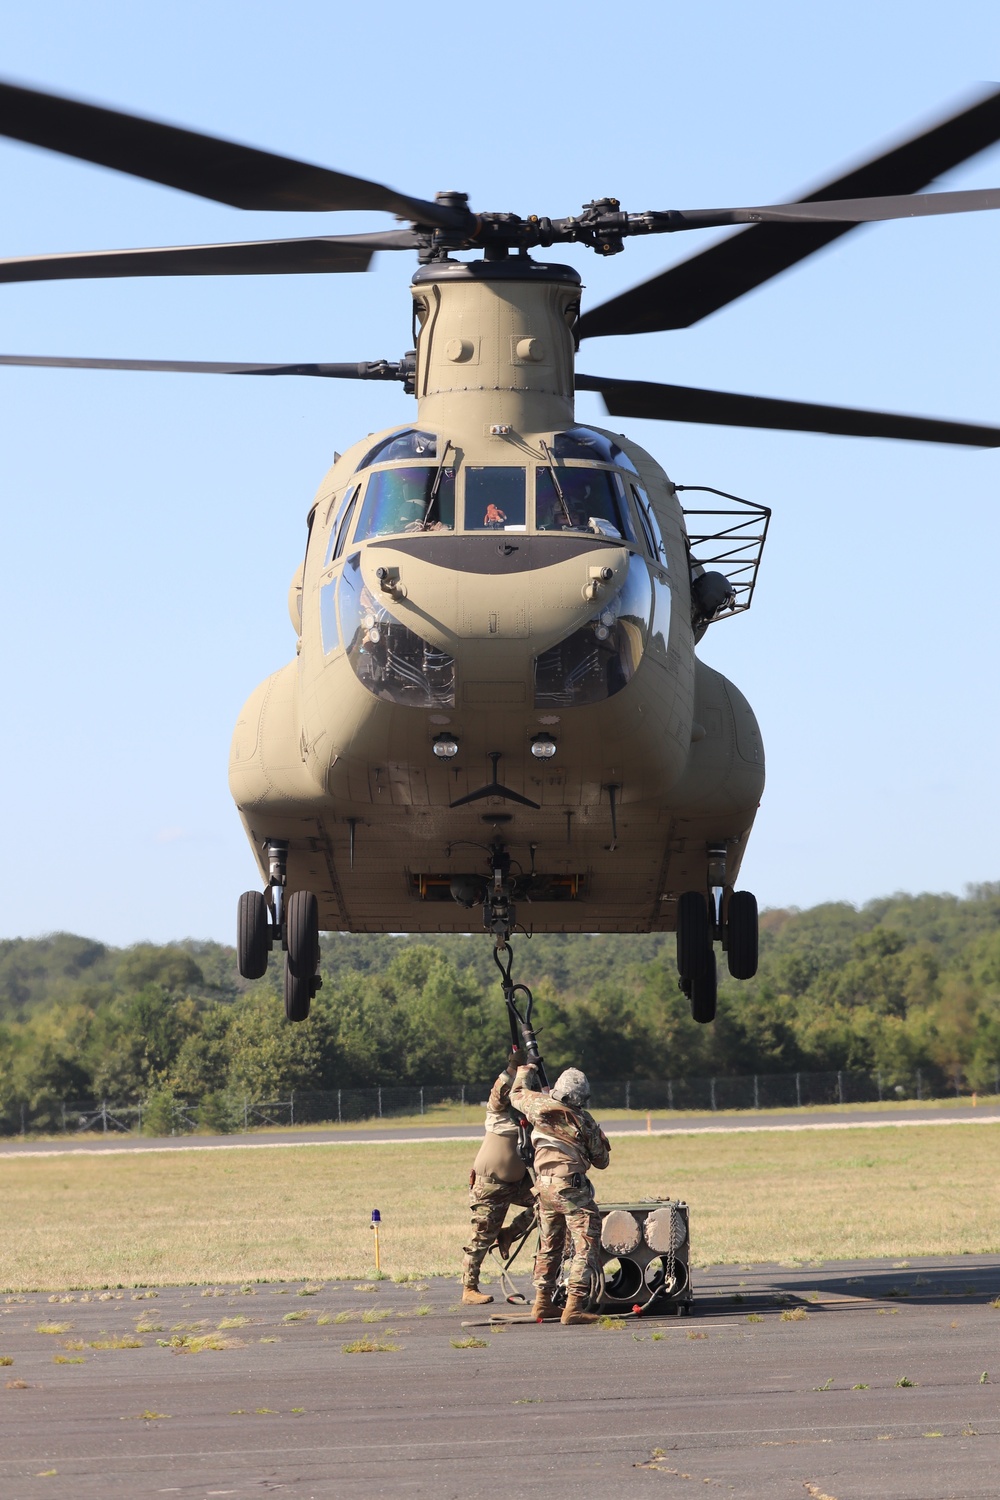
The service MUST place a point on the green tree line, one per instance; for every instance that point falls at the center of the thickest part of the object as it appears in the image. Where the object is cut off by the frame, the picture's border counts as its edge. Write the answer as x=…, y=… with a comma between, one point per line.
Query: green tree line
x=905, y=982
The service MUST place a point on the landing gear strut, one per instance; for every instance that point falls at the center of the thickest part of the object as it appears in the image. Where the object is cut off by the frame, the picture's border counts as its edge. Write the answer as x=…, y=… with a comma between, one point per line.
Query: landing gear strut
x=265, y=919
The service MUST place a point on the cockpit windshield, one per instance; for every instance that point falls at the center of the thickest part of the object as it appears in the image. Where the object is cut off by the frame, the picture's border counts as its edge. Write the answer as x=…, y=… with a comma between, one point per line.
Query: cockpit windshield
x=494, y=498
x=583, y=442
x=417, y=498
x=581, y=500
x=410, y=443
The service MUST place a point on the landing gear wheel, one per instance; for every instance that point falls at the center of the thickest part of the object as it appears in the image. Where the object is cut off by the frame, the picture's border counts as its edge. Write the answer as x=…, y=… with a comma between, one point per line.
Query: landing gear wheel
x=694, y=935
x=298, y=994
x=302, y=933
x=704, y=989
x=302, y=957
x=741, y=927
x=253, y=940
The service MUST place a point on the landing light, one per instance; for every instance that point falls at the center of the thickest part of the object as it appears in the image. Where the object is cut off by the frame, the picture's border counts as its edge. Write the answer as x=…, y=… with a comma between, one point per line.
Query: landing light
x=543, y=746
x=445, y=747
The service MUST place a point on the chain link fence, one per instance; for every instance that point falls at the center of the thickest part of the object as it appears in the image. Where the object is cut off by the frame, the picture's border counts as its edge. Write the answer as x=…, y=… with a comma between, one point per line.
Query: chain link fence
x=164, y=1114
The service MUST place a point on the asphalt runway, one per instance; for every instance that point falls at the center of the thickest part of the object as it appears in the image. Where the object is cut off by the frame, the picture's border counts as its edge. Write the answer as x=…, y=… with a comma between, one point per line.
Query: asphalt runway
x=862, y=1381
x=803, y=1119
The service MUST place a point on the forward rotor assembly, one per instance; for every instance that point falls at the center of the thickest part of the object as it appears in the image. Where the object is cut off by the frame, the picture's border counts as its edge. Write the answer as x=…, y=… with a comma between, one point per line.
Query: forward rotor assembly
x=775, y=238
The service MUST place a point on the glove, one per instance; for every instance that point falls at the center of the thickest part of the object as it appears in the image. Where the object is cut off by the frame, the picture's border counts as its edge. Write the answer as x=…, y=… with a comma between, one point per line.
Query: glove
x=516, y=1059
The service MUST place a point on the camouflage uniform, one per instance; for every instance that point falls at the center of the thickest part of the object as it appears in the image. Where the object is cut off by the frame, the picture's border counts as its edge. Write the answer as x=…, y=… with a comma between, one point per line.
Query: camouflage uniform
x=567, y=1141
x=498, y=1180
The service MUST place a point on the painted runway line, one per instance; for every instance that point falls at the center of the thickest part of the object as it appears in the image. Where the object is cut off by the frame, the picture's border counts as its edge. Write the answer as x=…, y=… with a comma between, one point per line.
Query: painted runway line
x=188, y=1144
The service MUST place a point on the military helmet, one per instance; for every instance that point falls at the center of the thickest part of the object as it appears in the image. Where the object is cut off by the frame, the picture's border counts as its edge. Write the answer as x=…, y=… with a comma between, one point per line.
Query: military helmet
x=571, y=1087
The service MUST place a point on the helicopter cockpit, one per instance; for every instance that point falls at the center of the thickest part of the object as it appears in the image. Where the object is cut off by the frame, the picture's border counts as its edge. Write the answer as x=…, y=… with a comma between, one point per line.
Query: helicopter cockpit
x=578, y=483
x=405, y=485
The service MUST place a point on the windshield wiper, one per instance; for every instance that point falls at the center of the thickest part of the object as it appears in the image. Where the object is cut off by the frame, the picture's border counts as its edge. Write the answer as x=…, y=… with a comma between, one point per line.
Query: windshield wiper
x=555, y=483
x=432, y=499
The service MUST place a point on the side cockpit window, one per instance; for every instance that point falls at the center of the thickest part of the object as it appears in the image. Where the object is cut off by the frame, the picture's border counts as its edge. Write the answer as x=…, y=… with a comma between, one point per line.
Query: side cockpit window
x=650, y=526
x=341, y=524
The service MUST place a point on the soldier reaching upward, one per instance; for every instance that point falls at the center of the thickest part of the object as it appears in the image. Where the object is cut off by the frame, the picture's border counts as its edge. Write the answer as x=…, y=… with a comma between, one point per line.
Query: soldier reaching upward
x=498, y=1179
x=568, y=1141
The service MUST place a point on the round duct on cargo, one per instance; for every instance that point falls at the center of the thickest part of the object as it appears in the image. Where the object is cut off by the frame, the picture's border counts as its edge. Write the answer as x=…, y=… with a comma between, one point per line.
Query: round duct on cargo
x=623, y=1281
x=664, y=1229
x=620, y=1232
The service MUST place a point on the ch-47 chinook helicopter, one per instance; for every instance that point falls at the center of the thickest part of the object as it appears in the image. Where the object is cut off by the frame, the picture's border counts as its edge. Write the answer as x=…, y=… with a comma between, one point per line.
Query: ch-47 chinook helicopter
x=495, y=703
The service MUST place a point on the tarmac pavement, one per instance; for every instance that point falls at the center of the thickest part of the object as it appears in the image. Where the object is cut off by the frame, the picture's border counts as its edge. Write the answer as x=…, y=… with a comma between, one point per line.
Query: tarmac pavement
x=657, y=1124
x=860, y=1381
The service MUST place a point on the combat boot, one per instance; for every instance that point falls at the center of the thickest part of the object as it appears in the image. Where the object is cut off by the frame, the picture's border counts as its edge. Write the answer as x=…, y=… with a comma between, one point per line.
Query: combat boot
x=473, y=1297
x=544, y=1309
x=575, y=1311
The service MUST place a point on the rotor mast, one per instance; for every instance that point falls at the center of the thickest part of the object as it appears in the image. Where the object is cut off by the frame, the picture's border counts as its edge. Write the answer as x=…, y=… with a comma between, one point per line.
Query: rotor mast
x=497, y=337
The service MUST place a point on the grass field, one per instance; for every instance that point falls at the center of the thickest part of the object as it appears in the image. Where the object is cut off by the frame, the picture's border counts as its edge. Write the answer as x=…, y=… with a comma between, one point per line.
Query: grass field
x=231, y=1216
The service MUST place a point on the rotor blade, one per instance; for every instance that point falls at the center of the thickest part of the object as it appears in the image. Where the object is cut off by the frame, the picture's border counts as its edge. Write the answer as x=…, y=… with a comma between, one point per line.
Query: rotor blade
x=689, y=291
x=844, y=211
x=682, y=403
x=322, y=254
x=364, y=370
x=202, y=164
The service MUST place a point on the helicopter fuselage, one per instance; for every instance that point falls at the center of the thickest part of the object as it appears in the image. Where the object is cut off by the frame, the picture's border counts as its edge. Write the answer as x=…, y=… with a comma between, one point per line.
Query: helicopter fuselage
x=497, y=597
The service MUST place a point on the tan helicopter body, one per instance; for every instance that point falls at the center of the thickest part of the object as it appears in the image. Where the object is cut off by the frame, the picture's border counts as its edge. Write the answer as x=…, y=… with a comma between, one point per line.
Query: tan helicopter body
x=495, y=711
x=323, y=760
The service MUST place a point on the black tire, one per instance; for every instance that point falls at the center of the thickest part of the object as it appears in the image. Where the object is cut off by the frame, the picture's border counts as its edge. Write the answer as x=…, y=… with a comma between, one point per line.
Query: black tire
x=253, y=940
x=298, y=993
x=704, y=992
x=741, y=929
x=302, y=934
x=694, y=935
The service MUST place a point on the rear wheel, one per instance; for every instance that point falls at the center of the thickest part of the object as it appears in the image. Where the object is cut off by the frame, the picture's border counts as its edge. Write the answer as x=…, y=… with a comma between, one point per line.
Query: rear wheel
x=694, y=935
x=741, y=931
x=704, y=990
x=298, y=993
x=253, y=940
x=302, y=956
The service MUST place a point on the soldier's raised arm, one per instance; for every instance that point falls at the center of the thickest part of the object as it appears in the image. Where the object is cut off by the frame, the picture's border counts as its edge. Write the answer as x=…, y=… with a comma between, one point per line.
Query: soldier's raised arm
x=500, y=1093
x=525, y=1095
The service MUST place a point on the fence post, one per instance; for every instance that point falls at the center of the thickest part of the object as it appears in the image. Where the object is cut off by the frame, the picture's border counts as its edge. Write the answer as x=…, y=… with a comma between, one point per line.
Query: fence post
x=22, y=1116
x=878, y=1075
x=711, y=1084
x=628, y=1093
x=798, y=1089
x=840, y=1087
x=104, y=1116
x=340, y=1118
x=246, y=1113
x=756, y=1093
x=139, y=1119
x=920, y=1085
x=421, y=1098
x=291, y=1108
x=380, y=1101
x=463, y=1102
x=670, y=1093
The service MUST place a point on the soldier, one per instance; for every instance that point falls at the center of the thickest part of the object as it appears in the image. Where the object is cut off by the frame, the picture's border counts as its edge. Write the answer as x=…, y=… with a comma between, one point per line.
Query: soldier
x=498, y=1179
x=567, y=1141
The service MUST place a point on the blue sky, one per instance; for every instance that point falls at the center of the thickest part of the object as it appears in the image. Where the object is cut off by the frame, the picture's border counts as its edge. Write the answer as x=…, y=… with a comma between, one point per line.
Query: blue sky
x=152, y=523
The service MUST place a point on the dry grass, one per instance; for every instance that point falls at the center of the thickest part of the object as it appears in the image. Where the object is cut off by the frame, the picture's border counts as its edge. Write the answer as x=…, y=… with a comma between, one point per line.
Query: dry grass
x=370, y=1346
x=304, y=1212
